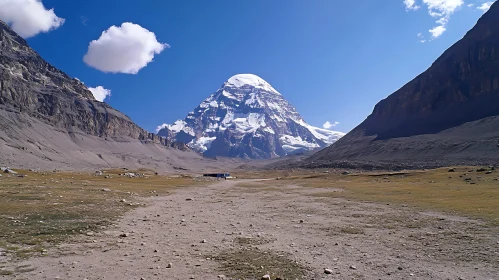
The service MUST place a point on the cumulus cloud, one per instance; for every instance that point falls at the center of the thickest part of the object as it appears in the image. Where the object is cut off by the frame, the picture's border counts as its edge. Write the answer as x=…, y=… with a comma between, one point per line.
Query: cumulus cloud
x=485, y=6
x=328, y=124
x=442, y=10
x=125, y=49
x=411, y=5
x=28, y=17
x=160, y=127
x=100, y=93
x=437, y=31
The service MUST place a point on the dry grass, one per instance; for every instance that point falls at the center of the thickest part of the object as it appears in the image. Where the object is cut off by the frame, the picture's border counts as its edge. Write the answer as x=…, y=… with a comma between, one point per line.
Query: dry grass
x=44, y=209
x=433, y=189
x=252, y=263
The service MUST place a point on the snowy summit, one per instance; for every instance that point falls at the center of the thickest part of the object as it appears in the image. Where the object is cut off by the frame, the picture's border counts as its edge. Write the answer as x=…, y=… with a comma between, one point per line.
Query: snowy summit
x=246, y=117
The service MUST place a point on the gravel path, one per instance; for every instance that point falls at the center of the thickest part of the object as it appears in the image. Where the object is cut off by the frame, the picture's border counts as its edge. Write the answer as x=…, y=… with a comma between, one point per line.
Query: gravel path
x=354, y=240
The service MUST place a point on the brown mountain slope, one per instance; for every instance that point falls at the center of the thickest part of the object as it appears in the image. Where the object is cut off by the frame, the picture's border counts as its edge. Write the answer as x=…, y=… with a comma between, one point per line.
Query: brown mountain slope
x=49, y=120
x=448, y=114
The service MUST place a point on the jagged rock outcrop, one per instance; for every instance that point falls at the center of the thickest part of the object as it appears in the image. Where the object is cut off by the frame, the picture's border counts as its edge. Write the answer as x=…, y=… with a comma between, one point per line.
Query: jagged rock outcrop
x=246, y=117
x=447, y=114
x=29, y=85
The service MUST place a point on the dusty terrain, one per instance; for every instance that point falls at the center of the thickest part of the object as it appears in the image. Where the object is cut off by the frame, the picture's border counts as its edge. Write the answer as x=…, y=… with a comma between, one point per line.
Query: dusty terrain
x=247, y=228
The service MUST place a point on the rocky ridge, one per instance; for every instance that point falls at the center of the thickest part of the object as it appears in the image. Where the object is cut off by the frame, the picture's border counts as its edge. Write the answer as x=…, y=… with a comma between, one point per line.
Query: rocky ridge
x=447, y=115
x=29, y=85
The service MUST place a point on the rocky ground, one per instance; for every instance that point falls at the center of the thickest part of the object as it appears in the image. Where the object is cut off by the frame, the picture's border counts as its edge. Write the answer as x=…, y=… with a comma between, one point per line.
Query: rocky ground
x=244, y=229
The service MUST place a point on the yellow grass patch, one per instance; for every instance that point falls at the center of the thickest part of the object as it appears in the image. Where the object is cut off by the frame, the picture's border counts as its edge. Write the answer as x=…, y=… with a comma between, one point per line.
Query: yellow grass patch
x=46, y=208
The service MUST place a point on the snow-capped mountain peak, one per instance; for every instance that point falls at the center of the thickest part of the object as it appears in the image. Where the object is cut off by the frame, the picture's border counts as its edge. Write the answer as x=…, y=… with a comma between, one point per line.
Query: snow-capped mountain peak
x=247, y=117
x=249, y=80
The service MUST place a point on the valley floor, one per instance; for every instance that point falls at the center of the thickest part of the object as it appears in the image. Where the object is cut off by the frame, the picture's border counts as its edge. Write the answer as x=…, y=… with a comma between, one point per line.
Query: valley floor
x=247, y=228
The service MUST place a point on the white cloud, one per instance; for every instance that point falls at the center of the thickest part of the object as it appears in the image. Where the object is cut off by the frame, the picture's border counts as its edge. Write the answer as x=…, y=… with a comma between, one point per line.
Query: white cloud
x=124, y=49
x=328, y=124
x=440, y=9
x=437, y=31
x=160, y=127
x=485, y=6
x=28, y=17
x=100, y=93
x=411, y=5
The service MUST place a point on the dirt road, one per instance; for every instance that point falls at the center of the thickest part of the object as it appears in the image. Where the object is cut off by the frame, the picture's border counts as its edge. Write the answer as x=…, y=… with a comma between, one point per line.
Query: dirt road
x=205, y=232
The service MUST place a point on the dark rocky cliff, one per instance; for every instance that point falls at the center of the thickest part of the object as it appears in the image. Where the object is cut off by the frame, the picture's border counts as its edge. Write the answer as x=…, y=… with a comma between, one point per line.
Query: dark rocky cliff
x=461, y=86
x=30, y=85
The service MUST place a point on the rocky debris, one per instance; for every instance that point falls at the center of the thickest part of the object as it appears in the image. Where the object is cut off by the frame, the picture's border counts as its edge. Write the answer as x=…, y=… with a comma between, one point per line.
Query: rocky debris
x=353, y=267
x=169, y=265
x=133, y=175
x=7, y=170
x=345, y=173
x=106, y=190
x=265, y=277
x=452, y=170
x=481, y=169
x=98, y=173
x=328, y=271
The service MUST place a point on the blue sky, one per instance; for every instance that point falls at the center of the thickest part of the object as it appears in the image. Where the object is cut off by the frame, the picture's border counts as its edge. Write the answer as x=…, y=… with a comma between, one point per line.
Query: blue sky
x=333, y=60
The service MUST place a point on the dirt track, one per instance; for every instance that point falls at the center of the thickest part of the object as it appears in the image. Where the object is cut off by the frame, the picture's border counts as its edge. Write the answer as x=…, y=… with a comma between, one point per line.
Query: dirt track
x=295, y=226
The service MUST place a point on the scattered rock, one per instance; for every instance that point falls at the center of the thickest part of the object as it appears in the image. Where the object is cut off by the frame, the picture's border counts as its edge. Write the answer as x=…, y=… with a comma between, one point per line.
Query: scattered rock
x=328, y=271
x=481, y=169
x=488, y=172
x=10, y=171
x=170, y=265
x=353, y=267
x=124, y=234
x=345, y=173
x=266, y=277
x=98, y=173
x=105, y=190
x=189, y=199
x=203, y=241
x=452, y=170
